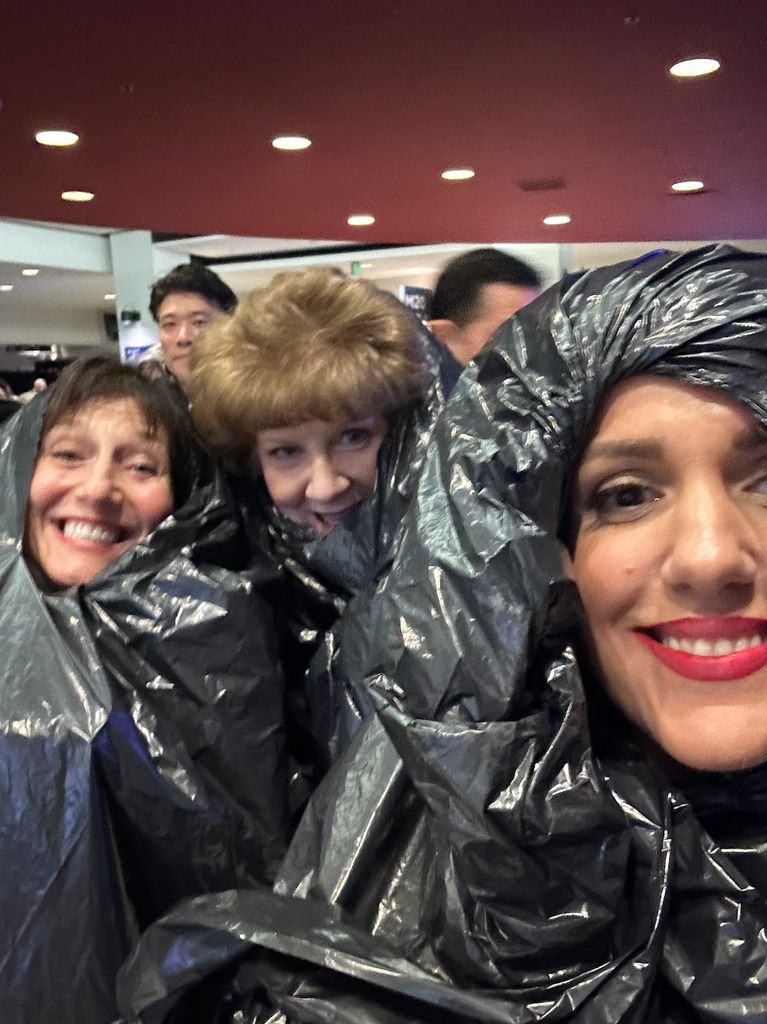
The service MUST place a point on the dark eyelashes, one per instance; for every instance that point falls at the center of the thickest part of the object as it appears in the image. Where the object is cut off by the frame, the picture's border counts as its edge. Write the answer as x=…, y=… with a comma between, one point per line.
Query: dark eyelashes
x=353, y=437
x=612, y=495
x=358, y=435
x=619, y=502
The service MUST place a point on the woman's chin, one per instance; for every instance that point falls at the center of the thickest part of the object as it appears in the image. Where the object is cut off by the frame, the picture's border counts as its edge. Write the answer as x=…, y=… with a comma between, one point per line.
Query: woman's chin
x=77, y=569
x=727, y=751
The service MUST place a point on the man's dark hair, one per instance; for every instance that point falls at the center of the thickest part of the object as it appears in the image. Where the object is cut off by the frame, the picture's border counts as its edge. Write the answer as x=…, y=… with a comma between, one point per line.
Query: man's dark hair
x=103, y=379
x=456, y=294
x=192, y=277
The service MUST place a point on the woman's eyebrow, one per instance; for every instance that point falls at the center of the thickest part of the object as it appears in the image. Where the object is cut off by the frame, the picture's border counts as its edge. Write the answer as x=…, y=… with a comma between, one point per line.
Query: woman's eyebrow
x=623, y=449
x=144, y=444
x=753, y=438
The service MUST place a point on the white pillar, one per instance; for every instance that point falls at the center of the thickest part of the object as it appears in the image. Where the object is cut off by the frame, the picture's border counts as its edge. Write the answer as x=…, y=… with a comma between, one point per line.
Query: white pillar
x=565, y=260
x=133, y=269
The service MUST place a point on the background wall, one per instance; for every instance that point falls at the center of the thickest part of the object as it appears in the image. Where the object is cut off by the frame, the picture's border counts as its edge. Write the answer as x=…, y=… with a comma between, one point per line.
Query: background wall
x=65, y=305
x=45, y=325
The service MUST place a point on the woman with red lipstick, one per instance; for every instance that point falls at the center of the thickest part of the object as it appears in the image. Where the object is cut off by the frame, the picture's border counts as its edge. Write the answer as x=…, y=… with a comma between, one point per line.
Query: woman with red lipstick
x=320, y=392
x=671, y=565
x=559, y=810
x=142, y=728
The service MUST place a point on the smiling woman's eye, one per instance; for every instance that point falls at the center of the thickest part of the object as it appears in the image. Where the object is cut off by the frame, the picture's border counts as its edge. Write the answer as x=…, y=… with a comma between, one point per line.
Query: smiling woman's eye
x=65, y=455
x=758, y=486
x=283, y=452
x=355, y=437
x=145, y=468
x=620, y=502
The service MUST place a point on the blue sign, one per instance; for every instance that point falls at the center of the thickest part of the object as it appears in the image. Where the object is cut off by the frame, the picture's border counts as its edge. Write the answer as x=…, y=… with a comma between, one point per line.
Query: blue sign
x=132, y=353
x=416, y=299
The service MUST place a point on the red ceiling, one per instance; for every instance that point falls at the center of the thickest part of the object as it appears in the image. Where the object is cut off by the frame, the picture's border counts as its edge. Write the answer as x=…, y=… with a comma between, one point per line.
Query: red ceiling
x=176, y=104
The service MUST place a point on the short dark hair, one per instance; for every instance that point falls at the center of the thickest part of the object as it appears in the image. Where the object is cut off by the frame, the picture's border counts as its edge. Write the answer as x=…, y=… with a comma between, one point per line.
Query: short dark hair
x=456, y=293
x=192, y=277
x=103, y=379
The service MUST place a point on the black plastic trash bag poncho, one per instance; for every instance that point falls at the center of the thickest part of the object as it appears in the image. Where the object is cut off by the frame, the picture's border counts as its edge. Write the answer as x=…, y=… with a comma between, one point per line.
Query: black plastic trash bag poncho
x=473, y=857
x=142, y=743
x=330, y=582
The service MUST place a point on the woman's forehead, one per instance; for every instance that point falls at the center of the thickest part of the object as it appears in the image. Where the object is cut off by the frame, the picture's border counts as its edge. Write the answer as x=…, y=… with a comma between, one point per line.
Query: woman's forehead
x=97, y=413
x=647, y=406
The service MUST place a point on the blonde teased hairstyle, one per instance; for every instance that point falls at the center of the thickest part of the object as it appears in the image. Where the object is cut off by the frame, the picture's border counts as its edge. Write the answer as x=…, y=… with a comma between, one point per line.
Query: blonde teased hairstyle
x=311, y=345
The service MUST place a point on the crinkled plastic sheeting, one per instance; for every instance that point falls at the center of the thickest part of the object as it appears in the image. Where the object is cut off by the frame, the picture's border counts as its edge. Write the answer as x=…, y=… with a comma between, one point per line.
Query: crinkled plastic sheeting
x=472, y=858
x=142, y=743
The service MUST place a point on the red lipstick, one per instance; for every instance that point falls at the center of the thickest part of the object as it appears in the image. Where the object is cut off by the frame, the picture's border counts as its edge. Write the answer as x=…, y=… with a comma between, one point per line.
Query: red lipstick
x=708, y=668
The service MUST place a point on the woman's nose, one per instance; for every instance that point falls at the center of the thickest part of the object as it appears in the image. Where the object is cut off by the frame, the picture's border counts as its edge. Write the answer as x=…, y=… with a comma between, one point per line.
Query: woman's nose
x=99, y=484
x=713, y=549
x=325, y=482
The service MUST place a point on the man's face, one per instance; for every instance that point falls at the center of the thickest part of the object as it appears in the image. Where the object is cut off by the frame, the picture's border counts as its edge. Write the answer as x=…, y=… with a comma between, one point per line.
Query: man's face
x=181, y=317
x=497, y=302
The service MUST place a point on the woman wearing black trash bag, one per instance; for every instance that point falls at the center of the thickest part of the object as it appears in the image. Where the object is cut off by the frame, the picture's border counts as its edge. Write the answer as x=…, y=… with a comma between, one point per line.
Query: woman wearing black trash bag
x=553, y=817
x=320, y=391
x=142, y=737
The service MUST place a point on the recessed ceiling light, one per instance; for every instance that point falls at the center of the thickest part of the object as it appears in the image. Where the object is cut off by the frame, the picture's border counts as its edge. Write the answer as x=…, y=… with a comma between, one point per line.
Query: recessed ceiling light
x=75, y=196
x=6, y=287
x=291, y=142
x=557, y=218
x=30, y=272
x=366, y=266
x=360, y=220
x=687, y=186
x=109, y=297
x=695, y=67
x=51, y=138
x=458, y=174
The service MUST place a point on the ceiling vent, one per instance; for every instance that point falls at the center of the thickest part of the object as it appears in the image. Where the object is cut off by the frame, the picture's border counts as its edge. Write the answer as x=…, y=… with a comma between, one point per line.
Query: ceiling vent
x=543, y=185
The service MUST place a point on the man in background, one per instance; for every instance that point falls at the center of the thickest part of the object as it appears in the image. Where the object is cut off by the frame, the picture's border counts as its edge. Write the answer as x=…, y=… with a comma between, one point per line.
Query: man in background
x=182, y=303
x=473, y=296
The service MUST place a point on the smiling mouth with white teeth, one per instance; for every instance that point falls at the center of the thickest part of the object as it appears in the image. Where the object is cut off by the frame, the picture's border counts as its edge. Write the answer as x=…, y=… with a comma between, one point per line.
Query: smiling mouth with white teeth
x=78, y=529
x=710, y=649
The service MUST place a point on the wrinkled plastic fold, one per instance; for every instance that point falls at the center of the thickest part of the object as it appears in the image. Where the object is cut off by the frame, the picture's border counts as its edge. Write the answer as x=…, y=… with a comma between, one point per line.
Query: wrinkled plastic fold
x=479, y=852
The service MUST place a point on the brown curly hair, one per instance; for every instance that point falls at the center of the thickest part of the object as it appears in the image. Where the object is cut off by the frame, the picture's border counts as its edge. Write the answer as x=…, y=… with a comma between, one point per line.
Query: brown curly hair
x=311, y=345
